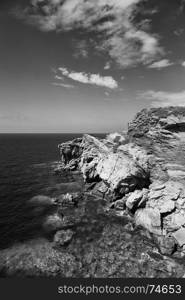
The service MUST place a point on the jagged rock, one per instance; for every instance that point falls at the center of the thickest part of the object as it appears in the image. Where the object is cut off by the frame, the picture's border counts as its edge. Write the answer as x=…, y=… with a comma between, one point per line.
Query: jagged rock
x=63, y=237
x=175, y=221
x=180, y=236
x=136, y=199
x=119, y=204
x=172, y=118
x=69, y=199
x=118, y=138
x=70, y=153
x=121, y=172
x=150, y=219
x=151, y=157
x=165, y=196
x=117, y=169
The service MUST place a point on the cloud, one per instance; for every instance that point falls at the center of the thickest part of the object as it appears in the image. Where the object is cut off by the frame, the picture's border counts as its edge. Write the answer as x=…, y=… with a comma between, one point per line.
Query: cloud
x=81, y=49
x=164, y=63
x=107, y=66
x=161, y=98
x=58, y=77
x=94, y=79
x=65, y=85
x=113, y=20
x=183, y=63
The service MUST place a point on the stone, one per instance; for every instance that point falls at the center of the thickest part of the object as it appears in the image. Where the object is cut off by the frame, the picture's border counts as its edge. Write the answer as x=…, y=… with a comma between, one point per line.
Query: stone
x=151, y=158
x=116, y=137
x=119, y=204
x=69, y=199
x=178, y=219
x=155, y=194
x=150, y=219
x=63, y=237
x=116, y=169
x=157, y=186
x=179, y=235
x=167, y=206
x=134, y=198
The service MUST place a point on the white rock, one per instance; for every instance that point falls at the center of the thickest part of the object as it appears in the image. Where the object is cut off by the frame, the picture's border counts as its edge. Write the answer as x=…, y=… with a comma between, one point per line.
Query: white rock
x=134, y=198
x=167, y=206
x=179, y=235
x=150, y=219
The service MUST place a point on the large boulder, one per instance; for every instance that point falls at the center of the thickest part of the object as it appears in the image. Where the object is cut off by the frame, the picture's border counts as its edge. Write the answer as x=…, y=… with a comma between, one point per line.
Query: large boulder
x=137, y=199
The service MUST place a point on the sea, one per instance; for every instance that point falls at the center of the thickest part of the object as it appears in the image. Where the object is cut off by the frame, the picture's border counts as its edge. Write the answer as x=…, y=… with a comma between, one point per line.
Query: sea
x=27, y=163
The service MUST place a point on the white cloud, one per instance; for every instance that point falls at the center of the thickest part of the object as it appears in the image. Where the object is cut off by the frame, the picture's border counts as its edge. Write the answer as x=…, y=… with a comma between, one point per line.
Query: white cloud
x=65, y=85
x=81, y=49
x=127, y=44
x=58, y=77
x=94, y=79
x=164, y=63
x=161, y=98
x=183, y=63
x=107, y=66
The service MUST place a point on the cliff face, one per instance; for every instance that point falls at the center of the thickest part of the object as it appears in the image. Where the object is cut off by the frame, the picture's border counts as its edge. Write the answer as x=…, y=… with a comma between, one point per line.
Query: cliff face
x=167, y=118
x=142, y=172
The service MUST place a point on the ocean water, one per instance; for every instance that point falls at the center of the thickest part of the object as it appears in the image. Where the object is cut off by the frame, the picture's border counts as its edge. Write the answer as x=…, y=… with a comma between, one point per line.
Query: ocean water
x=27, y=162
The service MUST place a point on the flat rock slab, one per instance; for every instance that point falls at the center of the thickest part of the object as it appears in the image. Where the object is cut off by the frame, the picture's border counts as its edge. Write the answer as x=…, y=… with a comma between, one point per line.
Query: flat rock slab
x=179, y=235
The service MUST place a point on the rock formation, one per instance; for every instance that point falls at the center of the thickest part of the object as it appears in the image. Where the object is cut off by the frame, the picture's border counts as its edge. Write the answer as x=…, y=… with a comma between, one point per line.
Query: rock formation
x=127, y=220
x=141, y=172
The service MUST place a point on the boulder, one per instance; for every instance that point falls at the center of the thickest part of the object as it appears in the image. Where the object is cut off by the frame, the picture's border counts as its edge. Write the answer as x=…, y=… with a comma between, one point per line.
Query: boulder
x=69, y=199
x=116, y=138
x=150, y=219
x=136, y=199
x=117, y=169
x=179, y=235
x=175, y=220
x=63, y=237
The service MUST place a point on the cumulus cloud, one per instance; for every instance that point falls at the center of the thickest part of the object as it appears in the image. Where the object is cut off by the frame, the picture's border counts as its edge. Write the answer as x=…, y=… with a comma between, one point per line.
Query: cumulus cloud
x=164, y=63
x=183, y=63
x=127, y=43
x=94, y=79
x=161, y=98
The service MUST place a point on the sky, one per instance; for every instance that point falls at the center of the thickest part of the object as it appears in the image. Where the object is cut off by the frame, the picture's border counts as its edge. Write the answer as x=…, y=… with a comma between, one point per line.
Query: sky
x=88, y=65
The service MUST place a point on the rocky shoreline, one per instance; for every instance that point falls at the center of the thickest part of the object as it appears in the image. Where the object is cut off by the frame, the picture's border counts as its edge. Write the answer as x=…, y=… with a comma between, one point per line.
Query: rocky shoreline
x=128, y=219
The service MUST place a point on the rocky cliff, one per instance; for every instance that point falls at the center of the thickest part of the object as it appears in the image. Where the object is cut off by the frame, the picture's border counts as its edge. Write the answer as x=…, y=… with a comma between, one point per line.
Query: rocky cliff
x=118, y=209
x=141, y=173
